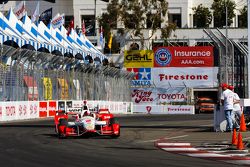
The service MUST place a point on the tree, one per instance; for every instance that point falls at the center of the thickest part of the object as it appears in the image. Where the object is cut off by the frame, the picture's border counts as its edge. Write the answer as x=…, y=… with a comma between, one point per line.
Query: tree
x=243, y=17
x=219, y=7
x=137, y=15
x=202, y=16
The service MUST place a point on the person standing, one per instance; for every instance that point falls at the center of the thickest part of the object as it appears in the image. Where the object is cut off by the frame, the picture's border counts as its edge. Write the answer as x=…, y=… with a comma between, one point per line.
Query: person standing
x=236, y=114
x=227, y=97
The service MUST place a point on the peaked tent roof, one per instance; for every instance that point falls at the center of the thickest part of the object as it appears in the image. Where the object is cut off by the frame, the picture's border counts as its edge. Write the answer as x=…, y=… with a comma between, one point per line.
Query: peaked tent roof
x=41, y=36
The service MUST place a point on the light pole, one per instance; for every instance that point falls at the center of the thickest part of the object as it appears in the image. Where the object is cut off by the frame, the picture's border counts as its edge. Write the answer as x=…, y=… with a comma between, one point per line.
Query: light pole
x=248, y=40
x=226, y=58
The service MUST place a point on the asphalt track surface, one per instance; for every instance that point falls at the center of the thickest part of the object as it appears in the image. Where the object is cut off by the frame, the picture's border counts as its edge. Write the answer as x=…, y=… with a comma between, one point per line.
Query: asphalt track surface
x=35, y=144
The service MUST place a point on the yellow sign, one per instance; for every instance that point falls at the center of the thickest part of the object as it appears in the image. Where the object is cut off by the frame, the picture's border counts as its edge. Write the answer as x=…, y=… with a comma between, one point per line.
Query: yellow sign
x=64, y=88
x=47, y=92
x=138, y=58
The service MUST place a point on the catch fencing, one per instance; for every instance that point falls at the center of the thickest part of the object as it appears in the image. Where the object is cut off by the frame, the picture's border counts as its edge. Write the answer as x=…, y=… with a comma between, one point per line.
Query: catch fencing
x=36, y=76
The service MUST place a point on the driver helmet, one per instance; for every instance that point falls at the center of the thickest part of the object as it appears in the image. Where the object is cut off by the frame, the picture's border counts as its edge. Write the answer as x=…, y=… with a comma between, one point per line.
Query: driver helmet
x=86, y=113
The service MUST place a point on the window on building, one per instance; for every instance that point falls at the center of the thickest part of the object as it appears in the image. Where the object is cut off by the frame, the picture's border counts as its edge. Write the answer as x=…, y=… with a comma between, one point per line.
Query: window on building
x=68, y=20
x=175, y=18
x=89, y=21
x=242, y=21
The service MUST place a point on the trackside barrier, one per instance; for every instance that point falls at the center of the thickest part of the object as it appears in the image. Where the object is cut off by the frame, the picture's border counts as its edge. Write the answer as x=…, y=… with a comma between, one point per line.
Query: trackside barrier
x=19, y=110
x=41, y=109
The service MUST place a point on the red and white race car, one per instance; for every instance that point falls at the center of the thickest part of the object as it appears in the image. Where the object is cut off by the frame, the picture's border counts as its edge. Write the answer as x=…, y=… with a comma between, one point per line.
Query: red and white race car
x=75, y=124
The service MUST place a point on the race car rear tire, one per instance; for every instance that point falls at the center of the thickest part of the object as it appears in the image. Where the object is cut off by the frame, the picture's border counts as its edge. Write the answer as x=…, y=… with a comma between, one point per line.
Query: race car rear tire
x=116, y=135
x=62, y=135
x=62, y=123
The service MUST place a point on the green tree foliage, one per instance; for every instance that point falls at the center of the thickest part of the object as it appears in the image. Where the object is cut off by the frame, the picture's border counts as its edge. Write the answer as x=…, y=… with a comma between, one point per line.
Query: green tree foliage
x=243, y=17
x=136, y=15
x=219, y=7
x=202, y=16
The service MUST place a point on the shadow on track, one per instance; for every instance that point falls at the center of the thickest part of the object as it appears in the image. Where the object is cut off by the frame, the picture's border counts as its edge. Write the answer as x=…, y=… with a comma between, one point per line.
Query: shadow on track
x=27, y=126
x=196, y=128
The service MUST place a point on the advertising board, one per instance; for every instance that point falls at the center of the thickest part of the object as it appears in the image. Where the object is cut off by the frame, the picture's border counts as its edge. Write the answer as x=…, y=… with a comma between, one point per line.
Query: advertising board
x=196, y=56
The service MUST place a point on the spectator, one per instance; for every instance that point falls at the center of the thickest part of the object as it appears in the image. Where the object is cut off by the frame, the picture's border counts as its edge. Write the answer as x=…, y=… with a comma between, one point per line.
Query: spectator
x=77, y=30
x=236, y=114
x=227, y=98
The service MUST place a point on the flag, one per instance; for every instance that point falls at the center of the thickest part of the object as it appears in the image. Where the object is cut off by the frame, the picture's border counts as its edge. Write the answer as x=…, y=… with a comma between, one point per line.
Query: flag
x=36, y=13
x=83, y=28
x=46, y=16
x=19, y=10
x=110, y=41
x=71, y=26
x=101, y=37
x=58, y=21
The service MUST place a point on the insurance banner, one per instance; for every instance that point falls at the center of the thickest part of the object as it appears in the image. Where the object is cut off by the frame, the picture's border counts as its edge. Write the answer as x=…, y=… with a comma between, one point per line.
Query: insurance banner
x=47, y=91
x=194, y=56
x=138, y=58
x=158, y=96
x=205, y=77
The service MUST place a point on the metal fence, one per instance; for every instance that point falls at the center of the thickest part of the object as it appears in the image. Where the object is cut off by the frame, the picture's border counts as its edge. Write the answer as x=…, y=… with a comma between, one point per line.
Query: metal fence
x=83, y=81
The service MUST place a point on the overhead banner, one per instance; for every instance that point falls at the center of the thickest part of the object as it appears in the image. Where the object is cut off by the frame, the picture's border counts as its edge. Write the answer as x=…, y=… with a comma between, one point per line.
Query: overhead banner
x=205, y=77
x=158, y=96
x=194, y=56
x=138, y=58
x=47, y=91
x=64, y=88
x=32, y=87
x=78, y=89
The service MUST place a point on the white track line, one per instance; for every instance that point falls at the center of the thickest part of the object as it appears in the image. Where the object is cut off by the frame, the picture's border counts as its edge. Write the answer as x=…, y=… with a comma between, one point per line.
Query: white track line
x=179, y=149
x=174, y=144
x=175, y=137
x=208, y=155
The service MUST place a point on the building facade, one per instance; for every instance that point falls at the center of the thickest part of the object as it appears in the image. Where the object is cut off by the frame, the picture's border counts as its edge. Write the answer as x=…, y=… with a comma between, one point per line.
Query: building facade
x=179, y=12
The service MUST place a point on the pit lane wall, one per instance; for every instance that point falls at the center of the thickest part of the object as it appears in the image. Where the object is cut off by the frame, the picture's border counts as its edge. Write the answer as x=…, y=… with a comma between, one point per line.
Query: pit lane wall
x=21, y=110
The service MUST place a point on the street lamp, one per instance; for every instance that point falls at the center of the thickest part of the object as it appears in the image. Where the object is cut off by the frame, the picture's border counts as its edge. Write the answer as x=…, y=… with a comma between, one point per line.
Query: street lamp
x=226, y=58
x=248, y=41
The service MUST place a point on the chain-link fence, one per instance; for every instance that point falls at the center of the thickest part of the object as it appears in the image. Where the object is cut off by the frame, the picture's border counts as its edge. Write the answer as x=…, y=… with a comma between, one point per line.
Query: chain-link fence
x=43, y=76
